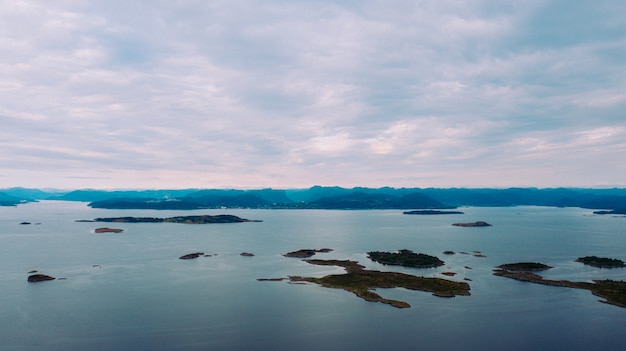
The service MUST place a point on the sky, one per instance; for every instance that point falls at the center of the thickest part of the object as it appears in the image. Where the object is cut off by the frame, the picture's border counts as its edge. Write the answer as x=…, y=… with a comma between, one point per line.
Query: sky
x=149, y=94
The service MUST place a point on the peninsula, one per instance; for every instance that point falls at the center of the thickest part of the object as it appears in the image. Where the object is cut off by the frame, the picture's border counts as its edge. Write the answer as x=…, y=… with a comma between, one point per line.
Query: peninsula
x=360, y=282
x=614, y=292
x=201, y=219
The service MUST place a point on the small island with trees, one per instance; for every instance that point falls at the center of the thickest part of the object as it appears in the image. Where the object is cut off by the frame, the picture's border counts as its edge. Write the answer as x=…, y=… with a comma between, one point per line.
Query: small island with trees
x=306, y=253
x=200, y=219
x=524, y=266
x=601, y=262
x=406, y=258
x=472, y=224
x=430, y=212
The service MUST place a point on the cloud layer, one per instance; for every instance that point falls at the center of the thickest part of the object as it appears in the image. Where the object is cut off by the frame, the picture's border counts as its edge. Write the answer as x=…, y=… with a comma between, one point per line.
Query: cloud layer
x=163, y=94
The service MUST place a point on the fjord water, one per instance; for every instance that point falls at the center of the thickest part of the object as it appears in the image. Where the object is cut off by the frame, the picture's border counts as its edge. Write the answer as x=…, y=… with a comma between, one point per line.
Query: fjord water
x=130, y=291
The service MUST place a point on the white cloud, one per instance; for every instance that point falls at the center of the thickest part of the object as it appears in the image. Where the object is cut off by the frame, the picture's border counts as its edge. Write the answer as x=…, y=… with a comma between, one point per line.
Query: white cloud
x=372, y=93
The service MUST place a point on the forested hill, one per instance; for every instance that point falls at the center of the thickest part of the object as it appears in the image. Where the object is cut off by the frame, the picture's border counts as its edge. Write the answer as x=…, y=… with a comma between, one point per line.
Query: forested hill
x=319, y=197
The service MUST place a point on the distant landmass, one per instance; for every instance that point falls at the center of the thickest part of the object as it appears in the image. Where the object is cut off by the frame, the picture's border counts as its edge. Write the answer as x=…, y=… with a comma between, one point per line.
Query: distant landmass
x=201, y=219
x=609, y=201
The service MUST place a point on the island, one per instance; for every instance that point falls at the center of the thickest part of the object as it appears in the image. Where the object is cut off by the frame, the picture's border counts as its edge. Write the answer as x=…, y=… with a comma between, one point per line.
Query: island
x=192, y=255
x=614, y=292
x=406, y=258
x=601, y=262
x=39, y=278
x=621, y=211
x=306, y=253
x=430, y=212
x=246, y=254
x=360, y=282
x=524, y=266
x=201, y=219
x=107, y=230
x=472, y=224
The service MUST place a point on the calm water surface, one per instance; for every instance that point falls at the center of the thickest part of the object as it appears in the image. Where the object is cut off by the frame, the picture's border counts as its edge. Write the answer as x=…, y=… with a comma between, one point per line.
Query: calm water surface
x=130, y=291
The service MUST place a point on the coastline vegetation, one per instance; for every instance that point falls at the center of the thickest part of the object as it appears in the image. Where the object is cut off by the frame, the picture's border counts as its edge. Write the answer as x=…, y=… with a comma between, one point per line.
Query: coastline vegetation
x=201, y=219
x=406, y=258
x=525, y=266
x=614, y=292
x=361, y=282
x=601, y=262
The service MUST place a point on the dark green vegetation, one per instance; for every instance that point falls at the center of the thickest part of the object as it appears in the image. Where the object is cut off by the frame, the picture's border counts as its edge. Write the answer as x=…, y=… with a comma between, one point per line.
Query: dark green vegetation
x=107, y=230
x=319, y=197
x=613, y=291
x=472, y=224
x=39, y=278
x=601, y=262
x=360, y=282
x=621, y=211
x=305, y=253
x=203, y=219
x=406, y=258
x=525, y=266
x=191, y=256
x=430, y=212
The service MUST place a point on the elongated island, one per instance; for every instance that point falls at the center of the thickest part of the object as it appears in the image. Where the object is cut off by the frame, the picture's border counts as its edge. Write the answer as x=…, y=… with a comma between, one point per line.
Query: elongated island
x=201, y=219
x=613, y=291
x=360, y=282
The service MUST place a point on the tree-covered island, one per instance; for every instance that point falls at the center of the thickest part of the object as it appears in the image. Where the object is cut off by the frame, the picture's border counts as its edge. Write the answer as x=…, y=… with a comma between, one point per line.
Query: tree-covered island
x=524, y=266
x=201, y=219
x=601, y=262
x=430, y=212
x=472, y=224
x=361, y=282
x=406, y=258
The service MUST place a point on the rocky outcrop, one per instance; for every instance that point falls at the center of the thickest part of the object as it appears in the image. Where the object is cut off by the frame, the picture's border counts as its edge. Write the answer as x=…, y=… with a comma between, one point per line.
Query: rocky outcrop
x=107, y=230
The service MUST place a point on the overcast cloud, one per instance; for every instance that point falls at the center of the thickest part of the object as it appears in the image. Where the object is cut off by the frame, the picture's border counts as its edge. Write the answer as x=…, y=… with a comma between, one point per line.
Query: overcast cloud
x=283, y=94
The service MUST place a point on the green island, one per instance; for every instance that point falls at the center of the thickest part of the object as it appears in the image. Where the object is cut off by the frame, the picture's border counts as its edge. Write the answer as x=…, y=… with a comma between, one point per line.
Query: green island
x=601, y=262
x=525, y=266
x=360, y=282
x=306, y=253
x=472, y=224
x=201, y=219
x=430, y=212
x=406, y=258
x=614, y=292
x=621, y=211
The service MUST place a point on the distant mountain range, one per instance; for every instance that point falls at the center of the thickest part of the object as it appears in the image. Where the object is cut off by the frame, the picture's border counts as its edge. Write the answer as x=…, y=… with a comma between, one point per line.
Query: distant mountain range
x=319, y=197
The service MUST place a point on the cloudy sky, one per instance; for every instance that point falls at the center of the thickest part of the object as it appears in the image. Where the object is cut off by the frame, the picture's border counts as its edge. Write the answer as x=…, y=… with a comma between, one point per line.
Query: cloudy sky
x=290, y=94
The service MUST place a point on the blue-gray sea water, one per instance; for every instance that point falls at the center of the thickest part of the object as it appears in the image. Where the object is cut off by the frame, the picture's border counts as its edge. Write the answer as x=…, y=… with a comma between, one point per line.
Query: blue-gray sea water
x=129, y=291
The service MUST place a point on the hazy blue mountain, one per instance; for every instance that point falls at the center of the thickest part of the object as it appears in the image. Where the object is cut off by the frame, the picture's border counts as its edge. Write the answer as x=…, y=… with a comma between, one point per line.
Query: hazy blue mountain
x=361, y=200
x=8, y=200
x=89, y=195
x=328, y=197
